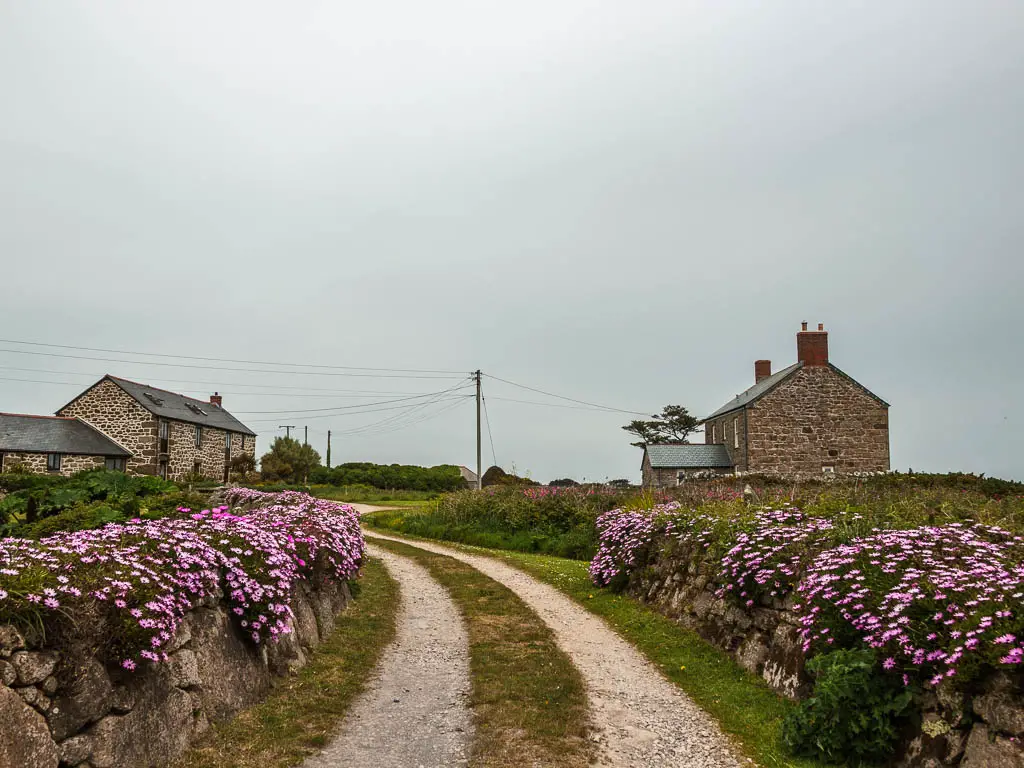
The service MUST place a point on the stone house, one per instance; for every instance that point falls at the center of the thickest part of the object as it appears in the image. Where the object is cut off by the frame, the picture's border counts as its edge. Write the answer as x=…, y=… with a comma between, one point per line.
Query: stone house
x=807, y=419
x=164, y=433
x=56, y=445
x=666, y=465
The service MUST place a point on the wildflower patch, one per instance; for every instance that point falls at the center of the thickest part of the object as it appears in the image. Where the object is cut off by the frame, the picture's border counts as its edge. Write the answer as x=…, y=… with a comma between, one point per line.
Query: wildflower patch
x=127, y=586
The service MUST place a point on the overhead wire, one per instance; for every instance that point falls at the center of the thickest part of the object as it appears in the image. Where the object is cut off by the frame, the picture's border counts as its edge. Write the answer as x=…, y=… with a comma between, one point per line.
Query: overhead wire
x=490, y=435
x=563, y=397
x=226, y=368
x=221, y=359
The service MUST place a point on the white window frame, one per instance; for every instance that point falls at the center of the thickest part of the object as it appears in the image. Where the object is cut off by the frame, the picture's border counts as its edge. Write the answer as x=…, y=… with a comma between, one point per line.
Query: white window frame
x=714, y=433
x=199, y=436
x=736, y=432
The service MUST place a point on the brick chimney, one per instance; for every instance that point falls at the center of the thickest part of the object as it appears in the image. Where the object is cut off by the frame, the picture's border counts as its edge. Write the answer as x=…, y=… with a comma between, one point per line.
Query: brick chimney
x=812, y=346
x=217, y=400
x=762, y=370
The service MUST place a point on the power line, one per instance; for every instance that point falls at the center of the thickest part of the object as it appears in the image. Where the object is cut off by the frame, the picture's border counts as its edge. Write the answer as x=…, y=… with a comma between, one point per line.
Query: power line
x=356, y=413
x=221, y=359
x=490, y=435
x=345, y=407
x=556, y=405
x=225, y=368
x=570, y=399
x=220, y=384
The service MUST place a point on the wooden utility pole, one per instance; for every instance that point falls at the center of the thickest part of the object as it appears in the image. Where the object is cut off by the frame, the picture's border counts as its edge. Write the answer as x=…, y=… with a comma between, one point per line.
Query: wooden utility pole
x=328, y=449
x=287, y=429
x=479, y=461
x=305, y=435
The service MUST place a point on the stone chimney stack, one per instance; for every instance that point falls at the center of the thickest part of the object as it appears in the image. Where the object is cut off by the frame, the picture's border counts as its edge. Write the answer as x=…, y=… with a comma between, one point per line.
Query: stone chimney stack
x=762, y=370
x=217, y=400
x=812, y=346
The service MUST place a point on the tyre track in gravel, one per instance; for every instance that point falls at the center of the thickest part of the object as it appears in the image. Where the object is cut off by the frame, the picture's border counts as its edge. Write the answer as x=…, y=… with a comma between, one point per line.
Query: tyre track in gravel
x=413, y=713
x=640, y=718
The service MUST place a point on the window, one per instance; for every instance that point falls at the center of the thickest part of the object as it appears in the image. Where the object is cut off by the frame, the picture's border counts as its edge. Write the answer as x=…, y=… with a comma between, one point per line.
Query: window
x=153, y=398
x=680, y=478
x=736, y=433
x=164, y=431
x=114, y=464
x=197, y=468
x=53, y=462
x=162, y=468
x=199, y=436
x=828, y=470
x=195, y=409
x=714, y=434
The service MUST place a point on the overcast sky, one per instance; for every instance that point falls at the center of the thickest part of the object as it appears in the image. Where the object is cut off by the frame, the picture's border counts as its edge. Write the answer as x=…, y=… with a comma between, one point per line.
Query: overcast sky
x=622, y=203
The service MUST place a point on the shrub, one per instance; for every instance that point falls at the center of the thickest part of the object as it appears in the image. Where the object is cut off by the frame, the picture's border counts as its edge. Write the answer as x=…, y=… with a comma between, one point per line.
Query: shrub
x=392, y=476
x=854, y=714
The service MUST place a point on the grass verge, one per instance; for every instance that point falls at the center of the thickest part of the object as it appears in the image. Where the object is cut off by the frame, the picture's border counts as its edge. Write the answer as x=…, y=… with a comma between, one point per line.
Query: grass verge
x=303, y=712
x=529, y=702
x=742, y=703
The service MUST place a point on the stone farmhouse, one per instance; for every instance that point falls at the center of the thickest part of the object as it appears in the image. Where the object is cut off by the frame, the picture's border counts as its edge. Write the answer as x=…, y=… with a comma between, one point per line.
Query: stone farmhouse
x=808, y=419
x=124, y=425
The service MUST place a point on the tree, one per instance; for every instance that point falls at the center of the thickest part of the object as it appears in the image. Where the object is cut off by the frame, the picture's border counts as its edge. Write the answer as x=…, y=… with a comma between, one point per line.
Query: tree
x=288, y=460
x=673, y=425
x=565, y=482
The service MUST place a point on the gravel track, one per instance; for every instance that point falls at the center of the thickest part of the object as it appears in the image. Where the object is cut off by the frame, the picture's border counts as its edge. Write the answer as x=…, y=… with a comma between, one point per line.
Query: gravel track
x=413, y=713
x=640, y=718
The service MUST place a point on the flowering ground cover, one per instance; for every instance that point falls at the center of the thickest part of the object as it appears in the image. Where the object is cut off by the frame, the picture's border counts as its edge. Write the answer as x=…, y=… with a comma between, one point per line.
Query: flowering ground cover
x=124, y=588
x=933, y=601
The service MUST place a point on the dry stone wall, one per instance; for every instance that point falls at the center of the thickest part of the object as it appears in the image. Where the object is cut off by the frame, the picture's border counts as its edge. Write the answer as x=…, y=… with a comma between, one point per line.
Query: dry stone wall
x=982, y=728
x=60, y=709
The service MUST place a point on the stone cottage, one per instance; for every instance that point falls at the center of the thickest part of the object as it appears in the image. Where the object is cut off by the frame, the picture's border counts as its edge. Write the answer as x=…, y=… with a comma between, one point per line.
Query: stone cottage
x=166, y=434
x=58, y=445
x=808, y=419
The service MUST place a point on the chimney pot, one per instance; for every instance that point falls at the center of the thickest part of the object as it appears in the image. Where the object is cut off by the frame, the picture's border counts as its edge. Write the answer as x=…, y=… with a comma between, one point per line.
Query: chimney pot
x=803, y=326
x=216, y=399
x=812, y=346
x=762, y=370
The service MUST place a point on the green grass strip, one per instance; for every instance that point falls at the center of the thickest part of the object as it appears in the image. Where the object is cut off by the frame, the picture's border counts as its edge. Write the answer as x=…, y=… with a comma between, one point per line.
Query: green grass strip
x=529, y=702
x=303, y=712
x=742, y=703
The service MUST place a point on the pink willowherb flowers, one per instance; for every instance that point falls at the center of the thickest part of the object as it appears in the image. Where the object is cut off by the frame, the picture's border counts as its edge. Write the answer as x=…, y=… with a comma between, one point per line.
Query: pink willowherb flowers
x=137, y=580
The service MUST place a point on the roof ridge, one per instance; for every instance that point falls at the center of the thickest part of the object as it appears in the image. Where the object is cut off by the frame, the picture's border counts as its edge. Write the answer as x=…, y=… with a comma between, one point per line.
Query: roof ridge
x=39, y=416
x=158, y=389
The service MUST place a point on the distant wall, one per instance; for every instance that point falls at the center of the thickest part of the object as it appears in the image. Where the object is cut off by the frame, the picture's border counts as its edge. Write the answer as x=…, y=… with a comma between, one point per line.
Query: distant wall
x=69, y=463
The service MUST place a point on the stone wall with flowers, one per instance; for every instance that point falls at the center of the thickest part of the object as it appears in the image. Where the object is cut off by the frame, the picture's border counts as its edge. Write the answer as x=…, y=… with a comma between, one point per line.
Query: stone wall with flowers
x=940, y=606
x=118, y=647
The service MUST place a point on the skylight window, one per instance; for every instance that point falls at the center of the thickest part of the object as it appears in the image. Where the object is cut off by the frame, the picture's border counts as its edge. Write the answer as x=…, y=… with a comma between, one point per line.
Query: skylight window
x=195, y=409
x=153, y=398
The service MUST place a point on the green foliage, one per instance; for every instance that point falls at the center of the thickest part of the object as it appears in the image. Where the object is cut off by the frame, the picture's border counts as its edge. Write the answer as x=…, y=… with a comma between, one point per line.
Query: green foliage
x=392, y=476
x=674, y=424
x=497, y=476
x=553, y=520
x=242, y=465
x=855, y=714
x=32, y=500
x=289, y=460
x=565, y=482
x=81, y=517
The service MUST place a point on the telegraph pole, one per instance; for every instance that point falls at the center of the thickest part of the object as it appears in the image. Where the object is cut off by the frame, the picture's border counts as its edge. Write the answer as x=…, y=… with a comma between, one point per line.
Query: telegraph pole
x=328, y=449
x=287, y=429
x=479, y=463
x=305, y=435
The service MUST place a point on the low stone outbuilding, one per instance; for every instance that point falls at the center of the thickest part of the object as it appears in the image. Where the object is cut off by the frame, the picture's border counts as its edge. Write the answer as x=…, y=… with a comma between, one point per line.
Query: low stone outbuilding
x=671, y=464
x=56, y=445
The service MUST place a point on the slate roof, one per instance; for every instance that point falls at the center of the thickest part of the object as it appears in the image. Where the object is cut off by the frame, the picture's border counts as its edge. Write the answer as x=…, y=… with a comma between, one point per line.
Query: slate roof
x=54, y=434
x=696, y=456
x=758, y=390
x=171, y=405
